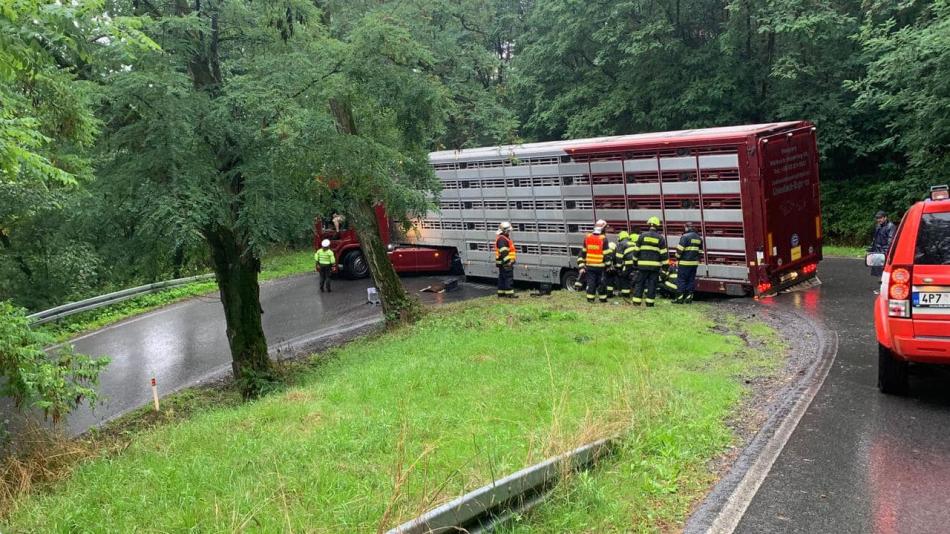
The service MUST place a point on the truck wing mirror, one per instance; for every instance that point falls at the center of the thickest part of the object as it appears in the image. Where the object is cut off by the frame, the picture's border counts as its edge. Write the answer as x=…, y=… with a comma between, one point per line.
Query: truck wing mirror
x=874, y=259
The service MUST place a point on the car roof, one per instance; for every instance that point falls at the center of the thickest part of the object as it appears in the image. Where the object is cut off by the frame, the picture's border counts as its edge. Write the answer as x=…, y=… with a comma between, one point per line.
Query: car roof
x=936, y=206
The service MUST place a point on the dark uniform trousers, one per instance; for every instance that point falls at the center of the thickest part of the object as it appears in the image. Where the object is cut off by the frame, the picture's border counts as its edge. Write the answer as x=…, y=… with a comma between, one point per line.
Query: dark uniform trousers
x=646, y=286
x=325, y=271
x=686, y=279
x=506, y=279
x=595, y=284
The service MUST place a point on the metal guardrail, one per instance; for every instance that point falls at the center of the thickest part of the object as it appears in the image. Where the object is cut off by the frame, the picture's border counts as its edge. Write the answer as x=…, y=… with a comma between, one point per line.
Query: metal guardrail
x=481, y=509
x=65, y=310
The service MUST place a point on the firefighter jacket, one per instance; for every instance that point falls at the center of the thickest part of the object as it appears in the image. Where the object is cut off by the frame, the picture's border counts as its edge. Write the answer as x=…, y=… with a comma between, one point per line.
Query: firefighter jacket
x=581, y=259
x=594, y=246
x=324, y=257
x=610, y=256
x=626, y=253
x=651, y=251
x=505, y=252
x=668, y=277
x=689, y=249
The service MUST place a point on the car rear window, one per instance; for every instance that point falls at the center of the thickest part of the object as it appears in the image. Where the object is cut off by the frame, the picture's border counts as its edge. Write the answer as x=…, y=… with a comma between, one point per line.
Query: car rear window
x=933, y=240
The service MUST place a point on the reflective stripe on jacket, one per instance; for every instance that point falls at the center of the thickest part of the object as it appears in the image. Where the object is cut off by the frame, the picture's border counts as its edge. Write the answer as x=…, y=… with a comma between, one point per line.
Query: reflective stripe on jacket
x=324, y=256
x=652, y=252
x=594, y=250
x=689, y=248
x=505, y=251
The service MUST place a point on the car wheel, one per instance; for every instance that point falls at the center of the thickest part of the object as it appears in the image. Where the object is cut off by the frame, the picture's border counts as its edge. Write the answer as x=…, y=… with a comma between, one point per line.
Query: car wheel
x=891, y=372
x=355, y=266
x=568, y=278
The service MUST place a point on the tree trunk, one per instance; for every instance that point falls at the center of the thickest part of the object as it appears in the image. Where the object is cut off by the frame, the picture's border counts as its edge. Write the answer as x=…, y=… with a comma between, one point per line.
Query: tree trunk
x=236, y=269
x=398, y=306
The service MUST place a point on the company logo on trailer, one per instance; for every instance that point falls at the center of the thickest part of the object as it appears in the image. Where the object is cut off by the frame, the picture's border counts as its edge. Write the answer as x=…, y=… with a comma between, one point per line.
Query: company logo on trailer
x=795, y=240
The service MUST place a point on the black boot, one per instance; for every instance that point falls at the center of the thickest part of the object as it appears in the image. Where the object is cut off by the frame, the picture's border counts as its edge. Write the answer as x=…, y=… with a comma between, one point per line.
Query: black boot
x=688, y=299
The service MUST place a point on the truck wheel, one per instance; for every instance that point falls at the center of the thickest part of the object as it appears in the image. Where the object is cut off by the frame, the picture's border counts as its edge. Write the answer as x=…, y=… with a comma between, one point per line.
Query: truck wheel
x=568, y=278
x=891, y=372
x=456, y=267
x=355, y=266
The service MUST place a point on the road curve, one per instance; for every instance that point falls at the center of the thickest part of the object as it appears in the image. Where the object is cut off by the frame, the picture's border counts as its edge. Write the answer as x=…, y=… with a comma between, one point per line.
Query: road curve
x=185, y=343
x=858, y=461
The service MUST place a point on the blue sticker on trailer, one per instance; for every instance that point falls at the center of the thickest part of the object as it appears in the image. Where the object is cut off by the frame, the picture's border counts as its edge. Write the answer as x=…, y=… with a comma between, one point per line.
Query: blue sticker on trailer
x=795, y=240
x=915, y=299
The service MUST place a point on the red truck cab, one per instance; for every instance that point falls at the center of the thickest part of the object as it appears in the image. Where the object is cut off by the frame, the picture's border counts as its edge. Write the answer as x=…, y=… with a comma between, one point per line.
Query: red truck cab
x=912, y=311
x=345, y=244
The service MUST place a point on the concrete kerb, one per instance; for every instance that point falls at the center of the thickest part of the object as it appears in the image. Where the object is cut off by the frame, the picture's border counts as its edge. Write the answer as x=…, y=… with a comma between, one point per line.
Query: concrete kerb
x=724, y=507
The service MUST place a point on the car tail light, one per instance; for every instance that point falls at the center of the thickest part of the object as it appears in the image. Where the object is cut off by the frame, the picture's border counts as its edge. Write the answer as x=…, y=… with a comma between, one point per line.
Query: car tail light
x=898, y=292
x=764, y=287
x=810, y=268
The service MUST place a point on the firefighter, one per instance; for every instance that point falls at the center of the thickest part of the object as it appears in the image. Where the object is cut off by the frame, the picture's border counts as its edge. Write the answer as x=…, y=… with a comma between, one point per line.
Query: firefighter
x=626, y=248
x=505, y=255
x=594, y=245
x=581, y=283
x=688, y=252
x=651, y=255
x=668, y=277
x=610, y=268
x=325, y=261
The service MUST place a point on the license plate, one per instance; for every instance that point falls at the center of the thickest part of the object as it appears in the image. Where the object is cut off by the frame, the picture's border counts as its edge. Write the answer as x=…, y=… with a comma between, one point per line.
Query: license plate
x=931, y=300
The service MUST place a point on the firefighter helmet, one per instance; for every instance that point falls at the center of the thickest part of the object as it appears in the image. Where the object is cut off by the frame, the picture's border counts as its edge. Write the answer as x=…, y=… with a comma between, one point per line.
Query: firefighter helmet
x=623, y=235
x=600, y=223
x=325, y=243
x=504, y=227
x=653, y=221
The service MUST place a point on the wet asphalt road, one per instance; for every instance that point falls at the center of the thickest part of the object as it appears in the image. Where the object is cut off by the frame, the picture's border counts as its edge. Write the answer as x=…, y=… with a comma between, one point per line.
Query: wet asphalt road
x=859, y=461
x=185, y=343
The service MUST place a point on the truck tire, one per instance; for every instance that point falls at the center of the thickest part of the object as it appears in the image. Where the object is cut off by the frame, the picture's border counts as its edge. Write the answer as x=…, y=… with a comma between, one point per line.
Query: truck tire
x=355, y=266
x=891, y=372
x=568, y=277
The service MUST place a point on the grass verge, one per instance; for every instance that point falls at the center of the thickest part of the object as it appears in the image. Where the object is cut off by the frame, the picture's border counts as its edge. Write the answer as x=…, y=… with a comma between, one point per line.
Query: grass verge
x=281, y=264
x=380, y=430
x=843, y=251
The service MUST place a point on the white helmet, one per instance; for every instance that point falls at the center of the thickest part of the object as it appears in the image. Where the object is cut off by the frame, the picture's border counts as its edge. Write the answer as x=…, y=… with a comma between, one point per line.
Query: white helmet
x=504, y=227
x=325, y=243
x=600, y=223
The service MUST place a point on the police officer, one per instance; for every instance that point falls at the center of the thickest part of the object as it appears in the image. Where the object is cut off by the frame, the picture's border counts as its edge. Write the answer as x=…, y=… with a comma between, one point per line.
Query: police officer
x=688, y=252
x=505, y=255
x=594, y=245
x=325, y=260
x=651, y=255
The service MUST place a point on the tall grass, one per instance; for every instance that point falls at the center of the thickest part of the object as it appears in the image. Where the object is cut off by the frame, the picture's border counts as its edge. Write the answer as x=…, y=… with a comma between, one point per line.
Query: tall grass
x=388, y=427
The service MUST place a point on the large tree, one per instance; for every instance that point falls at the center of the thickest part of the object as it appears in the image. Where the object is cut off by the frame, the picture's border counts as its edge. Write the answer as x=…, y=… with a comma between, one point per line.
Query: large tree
x=237, y=127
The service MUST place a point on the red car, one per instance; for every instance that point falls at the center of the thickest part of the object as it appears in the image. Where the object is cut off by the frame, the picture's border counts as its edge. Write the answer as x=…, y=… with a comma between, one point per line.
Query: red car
x=912, y=312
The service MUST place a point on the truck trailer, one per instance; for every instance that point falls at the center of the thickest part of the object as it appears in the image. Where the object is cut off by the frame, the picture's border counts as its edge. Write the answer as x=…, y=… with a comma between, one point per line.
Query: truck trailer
x=752, y=192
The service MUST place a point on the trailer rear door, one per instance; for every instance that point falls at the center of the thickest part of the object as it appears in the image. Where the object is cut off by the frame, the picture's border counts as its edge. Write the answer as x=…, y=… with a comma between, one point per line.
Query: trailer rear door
x=789, y=167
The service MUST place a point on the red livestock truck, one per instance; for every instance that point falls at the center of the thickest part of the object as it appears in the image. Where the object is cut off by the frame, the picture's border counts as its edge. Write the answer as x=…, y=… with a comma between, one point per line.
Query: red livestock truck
x=752, y=191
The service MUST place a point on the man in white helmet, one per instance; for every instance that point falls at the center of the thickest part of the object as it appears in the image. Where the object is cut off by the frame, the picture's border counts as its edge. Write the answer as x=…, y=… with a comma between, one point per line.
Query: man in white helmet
x=325, y=260
x=505, y=255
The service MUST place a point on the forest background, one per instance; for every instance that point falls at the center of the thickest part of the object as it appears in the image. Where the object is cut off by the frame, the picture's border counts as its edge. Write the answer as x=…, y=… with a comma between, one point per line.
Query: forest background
x=77, y=198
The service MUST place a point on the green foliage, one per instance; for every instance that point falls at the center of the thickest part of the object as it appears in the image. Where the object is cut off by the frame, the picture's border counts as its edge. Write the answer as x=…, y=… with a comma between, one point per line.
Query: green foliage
x=54, y=382
x=386, y=427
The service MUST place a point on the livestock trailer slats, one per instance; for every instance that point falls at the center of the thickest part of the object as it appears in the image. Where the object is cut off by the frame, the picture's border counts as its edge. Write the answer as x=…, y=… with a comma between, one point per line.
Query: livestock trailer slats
x=752, y=191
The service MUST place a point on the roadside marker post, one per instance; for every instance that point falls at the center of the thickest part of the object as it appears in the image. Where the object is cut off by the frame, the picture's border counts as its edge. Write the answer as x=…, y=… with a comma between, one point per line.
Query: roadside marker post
x=155, y=393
